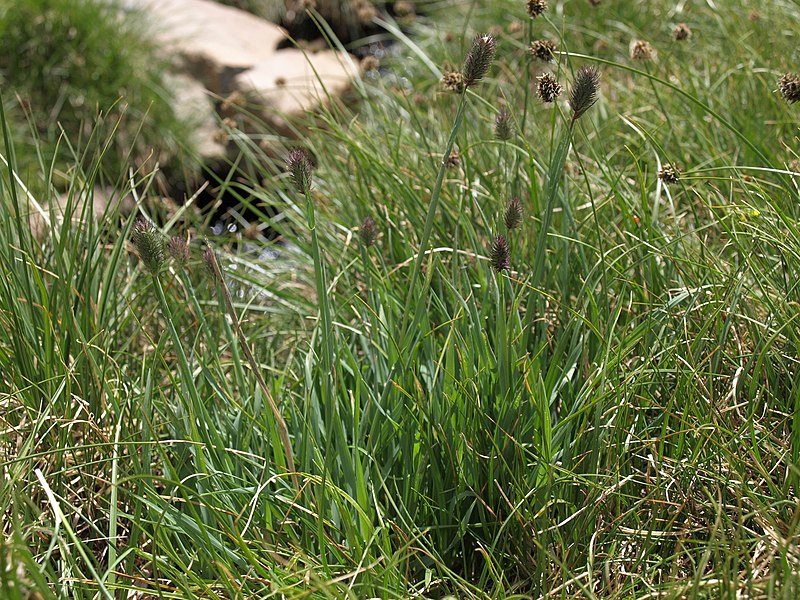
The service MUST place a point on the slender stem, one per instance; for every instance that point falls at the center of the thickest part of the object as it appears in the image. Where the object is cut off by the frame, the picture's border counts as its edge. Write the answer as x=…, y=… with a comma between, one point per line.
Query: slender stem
x=283, y=431
x=326, y=331
x=429, y=219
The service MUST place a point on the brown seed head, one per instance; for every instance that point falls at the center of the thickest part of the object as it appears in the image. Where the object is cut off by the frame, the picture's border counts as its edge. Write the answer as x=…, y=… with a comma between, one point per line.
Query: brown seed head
x=543, y=50
x=479, y=59
x=209, y=258
x=500, y=253
x=503, y=126
x=178, y=249
x=642, y=50
x=789, y=87
x=453, y=81
x=547, y=87
x=368, y=232
x=536, y=8
x=299, y=167
x=513, y=214
x=681, y=32
x=669, y=174
x=404, y=9
x=454, y=159
x=584, y=91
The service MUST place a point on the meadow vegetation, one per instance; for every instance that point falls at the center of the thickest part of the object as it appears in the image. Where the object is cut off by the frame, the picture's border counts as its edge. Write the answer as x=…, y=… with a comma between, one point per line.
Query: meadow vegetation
x=531, y=332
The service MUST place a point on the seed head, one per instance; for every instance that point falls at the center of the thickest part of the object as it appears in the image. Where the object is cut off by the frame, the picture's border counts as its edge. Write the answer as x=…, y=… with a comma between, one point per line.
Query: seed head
x=536, y=8
x=513, y=214
x=178, y=249
x=209, y=258
x=681, y=32
x=543, y=50
x=453, y=81
x=789, y=87
x=584, y=91
x=149, y=244
x=641, y=50
x=299, y=167
x=368, y=231
x=454, y=158
x=547, y=87
x=503, y=126
x=500, y=254
x=479, y=59
x=669, y=174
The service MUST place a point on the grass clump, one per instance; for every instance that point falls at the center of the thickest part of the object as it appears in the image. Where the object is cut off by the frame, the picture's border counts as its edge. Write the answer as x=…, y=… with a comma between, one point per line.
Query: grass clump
x=71, y=65
x=564, y=365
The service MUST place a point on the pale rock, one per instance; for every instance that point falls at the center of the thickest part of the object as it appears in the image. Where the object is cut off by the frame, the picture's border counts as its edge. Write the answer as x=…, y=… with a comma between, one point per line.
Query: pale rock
x=194, y=105
x=214, y=41
x=292, y=82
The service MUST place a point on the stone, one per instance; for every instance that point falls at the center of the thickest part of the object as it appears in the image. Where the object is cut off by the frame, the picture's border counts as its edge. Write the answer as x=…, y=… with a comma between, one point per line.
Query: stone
x=229, y=50
x=213, y=41
x=194, y=105
x=292, y=82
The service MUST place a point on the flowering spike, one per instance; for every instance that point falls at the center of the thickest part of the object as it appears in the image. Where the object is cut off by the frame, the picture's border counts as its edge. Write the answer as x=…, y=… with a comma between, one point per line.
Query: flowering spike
x=149, y=245
x=789, y=87
x=669, y=174
x=368, y=231
x=536, y=8
x=547, y=87
x=178, y=249
x=503, y=126
x=584, y=91
x=513, y=214
x=500, y=254
x=543, y=50
x=479, y=59
x=681, y=32
x=299, y=167
x=642, y=50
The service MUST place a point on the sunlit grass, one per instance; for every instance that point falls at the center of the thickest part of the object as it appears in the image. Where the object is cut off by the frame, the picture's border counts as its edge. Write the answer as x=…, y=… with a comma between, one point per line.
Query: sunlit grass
x=613, y=416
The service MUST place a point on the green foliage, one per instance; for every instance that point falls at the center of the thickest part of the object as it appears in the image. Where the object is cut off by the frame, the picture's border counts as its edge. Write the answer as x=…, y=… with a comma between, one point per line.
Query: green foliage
x=614, y=416
x=73, y=65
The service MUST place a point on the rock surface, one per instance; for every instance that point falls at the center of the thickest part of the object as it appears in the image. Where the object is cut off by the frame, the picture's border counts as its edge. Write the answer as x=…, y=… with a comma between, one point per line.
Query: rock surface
x=231, y=52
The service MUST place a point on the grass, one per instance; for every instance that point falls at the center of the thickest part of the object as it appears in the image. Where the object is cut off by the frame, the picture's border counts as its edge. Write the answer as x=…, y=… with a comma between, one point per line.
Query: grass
x=614, y=416
x=79, y=73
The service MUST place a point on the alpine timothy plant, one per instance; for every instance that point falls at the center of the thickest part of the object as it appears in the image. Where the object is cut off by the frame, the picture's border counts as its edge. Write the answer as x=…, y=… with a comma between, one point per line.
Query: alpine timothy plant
x=479, y=59
x=584, y=91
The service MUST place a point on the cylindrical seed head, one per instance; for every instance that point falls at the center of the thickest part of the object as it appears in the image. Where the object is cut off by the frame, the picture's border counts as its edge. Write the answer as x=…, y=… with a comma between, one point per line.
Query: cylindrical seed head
x=479, y=59
x=299, y=167
x=584, y=91
x=178, y=249
x=513, y=214
x=149, y=244
x=500, y=253
x=368, y=231
x=503, y=126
